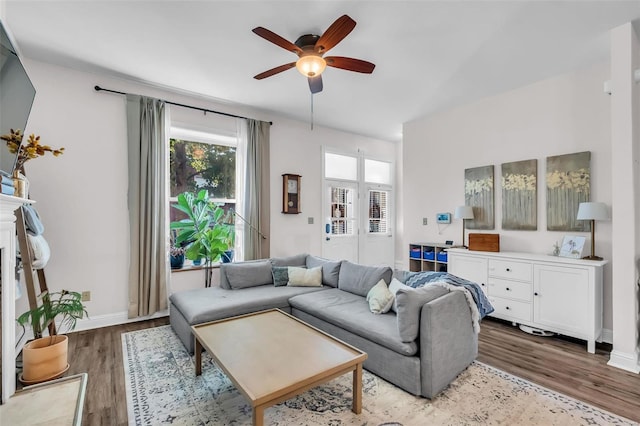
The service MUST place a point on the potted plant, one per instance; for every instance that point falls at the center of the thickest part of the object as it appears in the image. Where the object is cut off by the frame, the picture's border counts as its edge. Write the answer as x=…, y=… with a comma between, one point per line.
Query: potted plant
x=45, y=358
x=176, y=252
x=203, y=233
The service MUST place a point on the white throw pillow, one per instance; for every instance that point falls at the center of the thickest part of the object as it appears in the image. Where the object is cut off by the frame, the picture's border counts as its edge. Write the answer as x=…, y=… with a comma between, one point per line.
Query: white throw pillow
x=380, y=298
x=303, y=277
x=394, y=286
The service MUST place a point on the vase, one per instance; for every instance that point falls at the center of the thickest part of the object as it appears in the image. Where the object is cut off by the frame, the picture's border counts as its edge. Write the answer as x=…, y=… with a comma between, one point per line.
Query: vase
x=44, y=359
x=177, y=261
x=20, y=184
x=197, y=262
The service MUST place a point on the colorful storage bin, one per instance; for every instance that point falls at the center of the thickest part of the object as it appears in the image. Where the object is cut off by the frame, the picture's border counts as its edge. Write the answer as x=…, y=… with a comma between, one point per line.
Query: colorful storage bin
x=442, y=256
x=429, y=255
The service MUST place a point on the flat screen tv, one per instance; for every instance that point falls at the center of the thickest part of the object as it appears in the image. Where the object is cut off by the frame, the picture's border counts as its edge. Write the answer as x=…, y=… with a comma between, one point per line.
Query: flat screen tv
x=16, y=96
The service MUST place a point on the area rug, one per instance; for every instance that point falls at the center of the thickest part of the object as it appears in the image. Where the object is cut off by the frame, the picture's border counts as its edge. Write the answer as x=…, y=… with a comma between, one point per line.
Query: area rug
x=162, y=388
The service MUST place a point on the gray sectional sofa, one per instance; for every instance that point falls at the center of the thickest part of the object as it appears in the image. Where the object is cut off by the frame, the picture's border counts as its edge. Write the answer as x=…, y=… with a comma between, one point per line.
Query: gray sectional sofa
x=421, y=348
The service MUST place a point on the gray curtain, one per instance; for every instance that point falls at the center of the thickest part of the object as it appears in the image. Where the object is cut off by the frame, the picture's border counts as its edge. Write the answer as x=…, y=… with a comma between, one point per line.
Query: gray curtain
x=256, y=196
x=148, y=202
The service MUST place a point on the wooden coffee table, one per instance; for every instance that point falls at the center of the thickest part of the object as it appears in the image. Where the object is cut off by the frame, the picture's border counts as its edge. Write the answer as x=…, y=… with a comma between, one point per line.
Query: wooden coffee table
x=272, y=356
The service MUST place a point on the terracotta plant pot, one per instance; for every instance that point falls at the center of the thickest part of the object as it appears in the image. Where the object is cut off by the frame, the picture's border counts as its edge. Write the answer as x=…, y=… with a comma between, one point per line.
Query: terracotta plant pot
x=44, y=359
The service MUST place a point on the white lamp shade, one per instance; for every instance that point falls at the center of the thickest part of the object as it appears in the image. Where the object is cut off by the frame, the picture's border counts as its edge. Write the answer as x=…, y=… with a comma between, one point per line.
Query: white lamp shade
x=593, y=211
x=463, y=212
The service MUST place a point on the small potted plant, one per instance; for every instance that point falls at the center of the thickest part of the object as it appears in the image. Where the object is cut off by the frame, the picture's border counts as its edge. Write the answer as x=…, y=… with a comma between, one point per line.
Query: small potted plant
x=45, y=358
x=176, y=252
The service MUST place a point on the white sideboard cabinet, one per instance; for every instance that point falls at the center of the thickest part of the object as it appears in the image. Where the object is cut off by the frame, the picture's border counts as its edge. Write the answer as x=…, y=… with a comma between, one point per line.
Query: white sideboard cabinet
x=551, y=293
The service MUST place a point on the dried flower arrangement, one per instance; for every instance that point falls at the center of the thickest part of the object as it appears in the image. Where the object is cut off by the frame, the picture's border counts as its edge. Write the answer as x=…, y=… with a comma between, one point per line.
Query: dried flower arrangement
x=32, y=149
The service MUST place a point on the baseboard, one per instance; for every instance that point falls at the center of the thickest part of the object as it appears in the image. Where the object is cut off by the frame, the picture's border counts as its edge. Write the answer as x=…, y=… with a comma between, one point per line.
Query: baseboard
x=625, y=361
x=607, y=335
x=117, y=318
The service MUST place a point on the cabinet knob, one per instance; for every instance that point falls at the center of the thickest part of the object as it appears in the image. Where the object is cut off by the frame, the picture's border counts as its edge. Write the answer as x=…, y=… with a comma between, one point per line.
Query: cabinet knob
x=535, y=294
x=508, y=289
x=508, y=269
x=482, y=284
x=508, y=308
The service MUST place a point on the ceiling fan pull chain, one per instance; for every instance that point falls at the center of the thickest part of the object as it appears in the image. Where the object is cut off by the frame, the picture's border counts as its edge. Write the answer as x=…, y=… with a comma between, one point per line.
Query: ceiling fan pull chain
x=312, y=111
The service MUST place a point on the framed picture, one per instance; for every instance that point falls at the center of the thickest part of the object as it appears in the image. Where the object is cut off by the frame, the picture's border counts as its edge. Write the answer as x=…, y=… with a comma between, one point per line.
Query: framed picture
x=572, y=246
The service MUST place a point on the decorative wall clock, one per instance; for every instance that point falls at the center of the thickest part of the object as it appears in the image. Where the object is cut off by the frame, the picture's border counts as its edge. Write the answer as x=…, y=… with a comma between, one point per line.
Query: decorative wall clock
x=291, y=193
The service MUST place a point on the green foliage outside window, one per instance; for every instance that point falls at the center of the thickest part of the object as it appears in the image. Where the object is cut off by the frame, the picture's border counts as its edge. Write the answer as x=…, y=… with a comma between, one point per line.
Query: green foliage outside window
x=196, y=166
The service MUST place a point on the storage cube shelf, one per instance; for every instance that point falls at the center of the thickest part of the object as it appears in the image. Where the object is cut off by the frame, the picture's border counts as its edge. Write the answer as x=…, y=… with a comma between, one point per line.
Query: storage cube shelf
x=428, y=257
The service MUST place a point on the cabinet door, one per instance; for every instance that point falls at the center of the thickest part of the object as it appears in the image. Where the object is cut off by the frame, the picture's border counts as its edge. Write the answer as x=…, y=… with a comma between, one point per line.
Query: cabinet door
x=470, y=268
x=563, y=299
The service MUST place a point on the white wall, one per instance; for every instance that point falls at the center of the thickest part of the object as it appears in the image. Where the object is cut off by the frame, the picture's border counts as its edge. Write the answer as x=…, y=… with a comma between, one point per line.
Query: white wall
x=562, y=115
x=82, y=195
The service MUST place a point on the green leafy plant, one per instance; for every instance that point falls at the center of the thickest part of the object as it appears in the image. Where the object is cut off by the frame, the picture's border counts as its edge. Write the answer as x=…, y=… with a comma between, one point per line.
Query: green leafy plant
x=203, y=232
x=66, y=304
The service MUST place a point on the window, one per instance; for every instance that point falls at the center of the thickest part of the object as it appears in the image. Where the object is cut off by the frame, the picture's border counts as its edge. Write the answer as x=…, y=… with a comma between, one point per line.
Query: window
x=378, y=212
x=199, y=161
x=342, y=214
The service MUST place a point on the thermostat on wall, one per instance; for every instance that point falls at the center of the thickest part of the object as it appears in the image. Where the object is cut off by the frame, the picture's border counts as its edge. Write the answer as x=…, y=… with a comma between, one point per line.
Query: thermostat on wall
x=443, y=217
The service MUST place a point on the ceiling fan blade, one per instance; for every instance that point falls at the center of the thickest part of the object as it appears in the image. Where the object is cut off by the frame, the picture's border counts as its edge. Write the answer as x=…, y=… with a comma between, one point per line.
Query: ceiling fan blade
x=274, y=71
x=350, y=64
x=276, y=39
x=335, y=33
x=315, y=84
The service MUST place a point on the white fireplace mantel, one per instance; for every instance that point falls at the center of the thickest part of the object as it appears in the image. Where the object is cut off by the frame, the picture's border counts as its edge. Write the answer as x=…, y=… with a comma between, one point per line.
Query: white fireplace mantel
x=8, y=206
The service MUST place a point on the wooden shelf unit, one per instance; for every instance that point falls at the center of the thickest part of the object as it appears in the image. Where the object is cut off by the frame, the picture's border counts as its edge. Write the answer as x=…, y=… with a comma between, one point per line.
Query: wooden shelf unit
x=428, y=257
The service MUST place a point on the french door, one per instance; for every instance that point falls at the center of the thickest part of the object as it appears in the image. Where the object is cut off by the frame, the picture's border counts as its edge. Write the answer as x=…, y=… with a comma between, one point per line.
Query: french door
x=357, y=205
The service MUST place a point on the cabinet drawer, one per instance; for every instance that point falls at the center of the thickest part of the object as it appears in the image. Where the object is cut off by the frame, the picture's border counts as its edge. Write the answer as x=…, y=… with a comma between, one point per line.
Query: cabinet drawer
x=510, y=289
x=511, y=308
x=510, y=269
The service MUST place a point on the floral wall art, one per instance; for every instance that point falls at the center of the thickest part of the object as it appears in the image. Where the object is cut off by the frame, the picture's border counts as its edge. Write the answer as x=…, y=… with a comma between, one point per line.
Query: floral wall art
x=519, y=195
x=478, y=193
x=568, y=185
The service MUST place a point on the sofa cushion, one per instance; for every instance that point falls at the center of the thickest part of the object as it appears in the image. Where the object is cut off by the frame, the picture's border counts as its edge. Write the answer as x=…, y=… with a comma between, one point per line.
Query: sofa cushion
x=394, y=286
x=409, y=302
x=297, y=260
x=358, y=279
x=210, y=304
x=351, y=312
x=247, y=274
x=380, y=298
x=330, y=269
x=303, y=277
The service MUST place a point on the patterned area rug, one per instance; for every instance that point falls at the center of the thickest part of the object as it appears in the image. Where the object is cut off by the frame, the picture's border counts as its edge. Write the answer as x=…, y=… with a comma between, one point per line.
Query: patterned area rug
x=162, y=389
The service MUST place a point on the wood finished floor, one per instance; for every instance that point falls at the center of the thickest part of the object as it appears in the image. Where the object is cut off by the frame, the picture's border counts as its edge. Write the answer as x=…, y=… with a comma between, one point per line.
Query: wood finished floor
x=559, y=364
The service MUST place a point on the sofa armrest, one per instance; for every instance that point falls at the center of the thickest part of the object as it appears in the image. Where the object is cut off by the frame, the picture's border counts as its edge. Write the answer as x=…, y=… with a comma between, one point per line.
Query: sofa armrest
x=448, y=343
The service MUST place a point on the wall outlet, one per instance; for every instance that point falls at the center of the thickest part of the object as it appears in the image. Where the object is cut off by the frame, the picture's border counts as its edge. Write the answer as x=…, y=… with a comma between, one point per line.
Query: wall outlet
x=425, y=221
x=86, y=296
x=310, y=220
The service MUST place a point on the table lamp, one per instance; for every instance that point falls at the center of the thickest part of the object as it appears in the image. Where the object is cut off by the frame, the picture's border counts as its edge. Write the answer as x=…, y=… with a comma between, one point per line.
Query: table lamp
x=592, y=211
x=464, y=213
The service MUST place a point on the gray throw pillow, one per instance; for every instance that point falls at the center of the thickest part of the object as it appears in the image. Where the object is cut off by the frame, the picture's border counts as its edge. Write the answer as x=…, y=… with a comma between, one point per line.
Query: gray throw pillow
x=296, y=260
x=409, y=303
x=248, y=274
x=359, y=279
x=330, y=269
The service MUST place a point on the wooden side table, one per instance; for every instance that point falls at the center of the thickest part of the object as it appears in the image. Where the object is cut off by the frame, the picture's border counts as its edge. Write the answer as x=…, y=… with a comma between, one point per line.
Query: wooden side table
x=58, y=402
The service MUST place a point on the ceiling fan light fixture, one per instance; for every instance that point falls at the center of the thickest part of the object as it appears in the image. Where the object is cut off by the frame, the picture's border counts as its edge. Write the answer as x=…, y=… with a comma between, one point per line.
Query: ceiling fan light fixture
x=311, y=65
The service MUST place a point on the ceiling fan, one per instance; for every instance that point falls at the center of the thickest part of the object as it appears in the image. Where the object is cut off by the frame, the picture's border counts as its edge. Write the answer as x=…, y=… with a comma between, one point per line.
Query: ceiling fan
x=311, y=48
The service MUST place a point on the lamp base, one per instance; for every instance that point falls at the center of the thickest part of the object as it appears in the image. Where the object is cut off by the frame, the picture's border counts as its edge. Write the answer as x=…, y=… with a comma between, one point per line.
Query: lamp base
x=592, y=257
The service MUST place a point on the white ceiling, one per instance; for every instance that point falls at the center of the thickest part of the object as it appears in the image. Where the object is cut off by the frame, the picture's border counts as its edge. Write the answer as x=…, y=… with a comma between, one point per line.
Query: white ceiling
x=429, y=55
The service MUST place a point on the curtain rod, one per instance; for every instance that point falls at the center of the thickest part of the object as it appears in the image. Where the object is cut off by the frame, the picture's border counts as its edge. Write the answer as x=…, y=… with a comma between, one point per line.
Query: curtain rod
x=98, y=89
